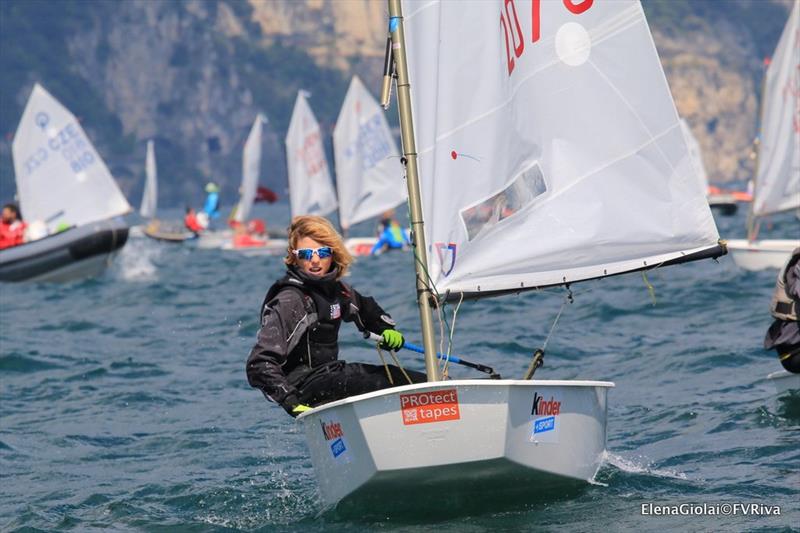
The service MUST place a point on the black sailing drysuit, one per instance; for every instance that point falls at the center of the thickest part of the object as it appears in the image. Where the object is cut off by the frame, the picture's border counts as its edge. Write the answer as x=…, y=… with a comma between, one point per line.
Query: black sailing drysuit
x=296, y=357
x=784, y=333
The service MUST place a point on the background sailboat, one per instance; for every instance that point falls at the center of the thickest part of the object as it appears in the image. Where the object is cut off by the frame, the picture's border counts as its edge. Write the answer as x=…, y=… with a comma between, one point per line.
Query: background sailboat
x=169, y=231
x=67, y=195
x=777, y=182
x=311, y=189
x=240, y=237
x=550, y=152
x=251, y=169
x=368, y=169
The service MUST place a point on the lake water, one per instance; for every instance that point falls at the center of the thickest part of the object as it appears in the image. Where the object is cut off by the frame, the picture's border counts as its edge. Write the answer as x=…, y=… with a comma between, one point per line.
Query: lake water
x=125, y=405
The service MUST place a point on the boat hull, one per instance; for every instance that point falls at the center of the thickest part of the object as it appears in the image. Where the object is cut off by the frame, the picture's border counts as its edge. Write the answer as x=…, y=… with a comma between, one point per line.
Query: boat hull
x=271, y=247
x=457, y=437
x=168, y=231
x=759, y=255
x=72, y=254
x=724, y=203
x=360, y=246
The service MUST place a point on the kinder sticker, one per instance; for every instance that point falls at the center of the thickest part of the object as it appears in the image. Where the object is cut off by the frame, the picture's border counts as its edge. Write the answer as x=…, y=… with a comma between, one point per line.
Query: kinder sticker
x=334, y=436
x=545, y=412
x=428, y=407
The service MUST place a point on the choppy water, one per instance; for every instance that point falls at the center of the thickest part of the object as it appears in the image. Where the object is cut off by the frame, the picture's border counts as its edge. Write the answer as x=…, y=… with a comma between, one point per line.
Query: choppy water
x=125, y=406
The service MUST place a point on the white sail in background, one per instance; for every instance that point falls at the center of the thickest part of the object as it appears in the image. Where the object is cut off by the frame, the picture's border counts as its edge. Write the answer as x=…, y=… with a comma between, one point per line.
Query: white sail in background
x=310, y=186
x=368, y=170
x=251, y=167
x=550, y=147
x=61, y=178
x=777, y=184
x=150, y=195
x=695, y=154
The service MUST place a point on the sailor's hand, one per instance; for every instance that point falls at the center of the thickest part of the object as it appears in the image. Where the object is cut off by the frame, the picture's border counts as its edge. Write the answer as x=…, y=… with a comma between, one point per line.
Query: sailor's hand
x=293, y=406
x=391, y=339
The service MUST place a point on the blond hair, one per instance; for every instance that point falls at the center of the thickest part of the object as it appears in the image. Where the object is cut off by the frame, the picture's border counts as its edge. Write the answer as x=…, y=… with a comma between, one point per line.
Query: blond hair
x=322, y=231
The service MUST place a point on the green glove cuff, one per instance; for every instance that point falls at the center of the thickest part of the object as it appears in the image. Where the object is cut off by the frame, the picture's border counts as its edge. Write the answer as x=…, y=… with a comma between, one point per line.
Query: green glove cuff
x=301, y=409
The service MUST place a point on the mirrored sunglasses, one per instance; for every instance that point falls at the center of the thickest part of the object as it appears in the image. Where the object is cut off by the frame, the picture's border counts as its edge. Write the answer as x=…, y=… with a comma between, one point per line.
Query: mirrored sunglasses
x=306, y=254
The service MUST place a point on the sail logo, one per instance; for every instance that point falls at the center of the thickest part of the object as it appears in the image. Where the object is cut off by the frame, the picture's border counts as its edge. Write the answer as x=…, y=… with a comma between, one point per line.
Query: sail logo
x=336, y=310
x=446, y=253
x=332, y=431
x=545, y=425
x=429, y=407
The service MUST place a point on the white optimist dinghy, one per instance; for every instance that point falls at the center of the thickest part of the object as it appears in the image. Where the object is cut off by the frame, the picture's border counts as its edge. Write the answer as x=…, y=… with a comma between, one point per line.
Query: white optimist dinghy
x=548, y=154
x=777, y=183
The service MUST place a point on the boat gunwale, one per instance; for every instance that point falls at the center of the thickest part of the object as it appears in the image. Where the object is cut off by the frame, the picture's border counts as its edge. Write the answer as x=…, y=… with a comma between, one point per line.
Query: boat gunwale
x=458, y=382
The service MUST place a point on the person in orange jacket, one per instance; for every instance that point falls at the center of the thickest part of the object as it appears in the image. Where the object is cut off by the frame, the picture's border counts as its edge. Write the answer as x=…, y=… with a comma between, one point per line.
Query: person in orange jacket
x=191, y=222
x=12, y=228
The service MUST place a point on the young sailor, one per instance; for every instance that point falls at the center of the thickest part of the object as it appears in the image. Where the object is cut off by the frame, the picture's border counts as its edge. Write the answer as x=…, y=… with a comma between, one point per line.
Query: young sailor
x=12, y=228
x=295, y=361
x=784, y=333
x=392, y=237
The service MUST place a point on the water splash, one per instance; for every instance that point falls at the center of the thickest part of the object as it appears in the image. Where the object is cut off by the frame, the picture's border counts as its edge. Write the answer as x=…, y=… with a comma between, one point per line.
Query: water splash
x=633, y=466
x=137, y=260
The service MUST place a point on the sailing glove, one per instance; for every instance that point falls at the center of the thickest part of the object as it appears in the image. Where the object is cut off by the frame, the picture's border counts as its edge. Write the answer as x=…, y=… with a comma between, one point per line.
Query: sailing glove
x=293, y=406
x=391, y=340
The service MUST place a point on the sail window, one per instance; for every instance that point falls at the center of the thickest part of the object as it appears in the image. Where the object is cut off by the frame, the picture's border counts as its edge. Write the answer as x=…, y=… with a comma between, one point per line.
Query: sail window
x=521, y=192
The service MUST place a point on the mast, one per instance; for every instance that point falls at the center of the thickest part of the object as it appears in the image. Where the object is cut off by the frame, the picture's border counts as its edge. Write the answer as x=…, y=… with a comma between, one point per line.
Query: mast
x=424, y=293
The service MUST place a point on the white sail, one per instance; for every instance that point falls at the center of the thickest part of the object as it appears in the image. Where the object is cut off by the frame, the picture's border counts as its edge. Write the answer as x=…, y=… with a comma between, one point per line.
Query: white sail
x=310, y=187
x=695, y=154
x=150, y=194
x=777, y=184
x=251, y=166
x=61, y=178
x=368, y=170
x=550, y=147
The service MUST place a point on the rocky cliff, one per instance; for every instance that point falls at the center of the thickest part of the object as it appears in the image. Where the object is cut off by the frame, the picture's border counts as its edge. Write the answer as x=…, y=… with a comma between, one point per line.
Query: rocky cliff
x=193, y=74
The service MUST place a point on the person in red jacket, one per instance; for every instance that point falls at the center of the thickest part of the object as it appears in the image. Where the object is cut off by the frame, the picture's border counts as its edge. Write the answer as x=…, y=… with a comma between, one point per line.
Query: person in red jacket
x=191, y=222
x=12, y=228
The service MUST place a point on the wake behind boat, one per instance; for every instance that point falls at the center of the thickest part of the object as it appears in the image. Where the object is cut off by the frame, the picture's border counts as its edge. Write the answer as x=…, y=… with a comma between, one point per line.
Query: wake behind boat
x=66, y=193
x=550, y=171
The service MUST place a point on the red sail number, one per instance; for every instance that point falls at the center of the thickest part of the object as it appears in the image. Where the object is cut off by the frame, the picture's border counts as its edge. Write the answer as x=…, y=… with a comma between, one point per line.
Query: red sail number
x=516, y=41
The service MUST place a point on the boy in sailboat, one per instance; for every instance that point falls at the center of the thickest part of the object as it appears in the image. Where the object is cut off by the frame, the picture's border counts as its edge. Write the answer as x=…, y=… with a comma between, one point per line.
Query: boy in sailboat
x=392, y=236
x=211, y=205
x=191, y=222
x=295, y=361
x=784, y=333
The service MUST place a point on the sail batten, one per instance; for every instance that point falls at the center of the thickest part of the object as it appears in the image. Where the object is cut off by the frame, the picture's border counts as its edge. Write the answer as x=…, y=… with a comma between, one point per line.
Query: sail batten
x=311, y=190
x=61, y=179
x=568, y=144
